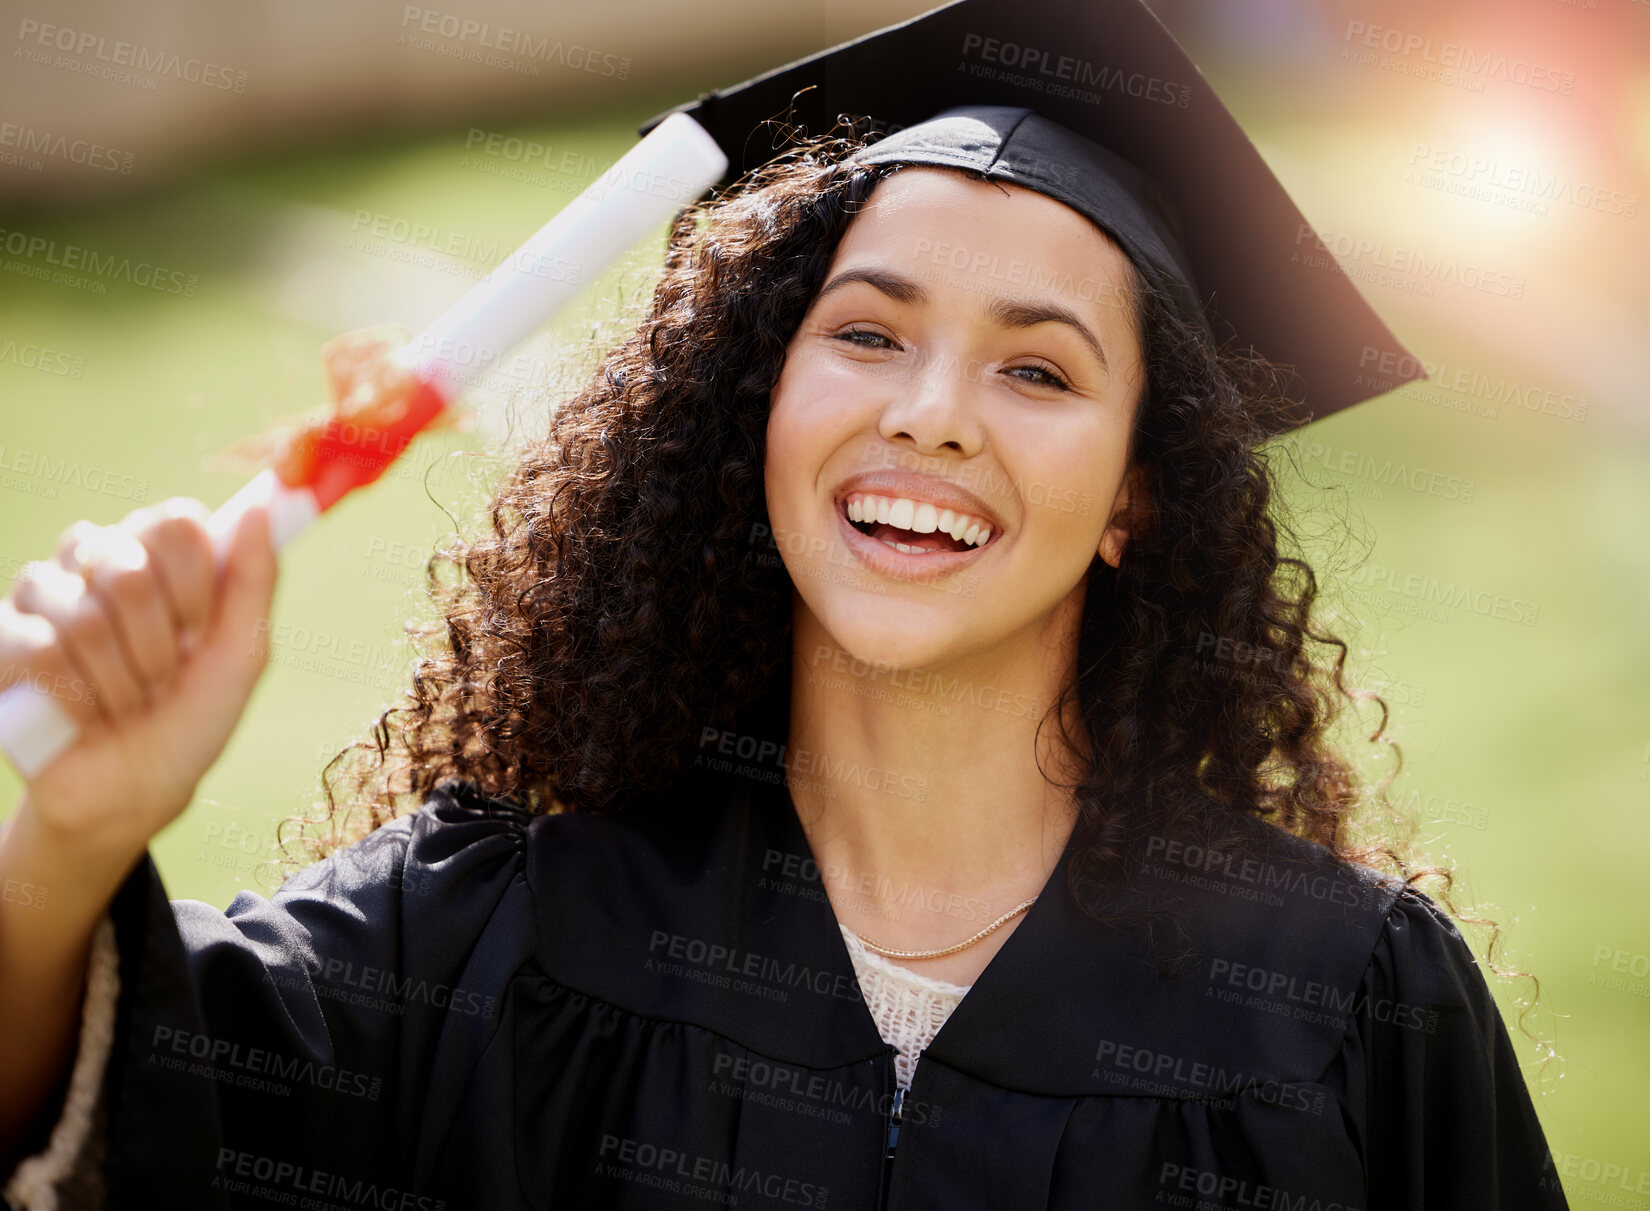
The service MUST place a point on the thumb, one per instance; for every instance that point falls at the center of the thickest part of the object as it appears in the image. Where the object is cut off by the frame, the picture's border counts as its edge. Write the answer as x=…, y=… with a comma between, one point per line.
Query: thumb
x=246, y=589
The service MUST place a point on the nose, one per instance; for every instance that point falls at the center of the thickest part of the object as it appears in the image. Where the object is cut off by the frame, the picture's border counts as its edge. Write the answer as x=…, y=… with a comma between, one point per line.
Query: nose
x=936, y=408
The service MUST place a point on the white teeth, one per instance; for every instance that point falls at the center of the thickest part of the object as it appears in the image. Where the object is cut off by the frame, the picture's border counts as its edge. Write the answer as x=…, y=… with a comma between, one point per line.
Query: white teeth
x=920, y=517
x=907, y=548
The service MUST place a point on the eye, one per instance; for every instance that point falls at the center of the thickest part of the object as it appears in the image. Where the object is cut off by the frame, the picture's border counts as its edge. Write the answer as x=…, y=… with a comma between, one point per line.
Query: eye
x=849, y=336
x=1051, y=378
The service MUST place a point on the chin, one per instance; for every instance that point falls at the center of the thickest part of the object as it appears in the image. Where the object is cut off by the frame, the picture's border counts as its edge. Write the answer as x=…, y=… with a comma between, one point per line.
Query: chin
x=901, y=635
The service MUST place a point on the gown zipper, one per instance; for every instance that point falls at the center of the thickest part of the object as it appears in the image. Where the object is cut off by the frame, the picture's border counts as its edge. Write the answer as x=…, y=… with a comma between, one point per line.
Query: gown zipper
x=895, y=1114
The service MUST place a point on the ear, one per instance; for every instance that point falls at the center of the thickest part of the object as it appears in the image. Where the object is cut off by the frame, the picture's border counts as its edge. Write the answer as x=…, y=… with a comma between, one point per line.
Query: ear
x=1127, y=512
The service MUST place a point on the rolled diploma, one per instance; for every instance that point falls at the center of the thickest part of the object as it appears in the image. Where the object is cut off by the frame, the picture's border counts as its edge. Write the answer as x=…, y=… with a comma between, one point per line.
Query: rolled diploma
x=674, y=164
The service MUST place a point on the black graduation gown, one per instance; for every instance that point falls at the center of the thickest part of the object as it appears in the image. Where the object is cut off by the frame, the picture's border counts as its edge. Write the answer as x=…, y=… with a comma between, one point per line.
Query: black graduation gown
x=478, y=1008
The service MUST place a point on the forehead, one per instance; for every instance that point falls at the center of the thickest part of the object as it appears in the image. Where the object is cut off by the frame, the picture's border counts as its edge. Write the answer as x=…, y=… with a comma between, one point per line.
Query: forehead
x=953, y=229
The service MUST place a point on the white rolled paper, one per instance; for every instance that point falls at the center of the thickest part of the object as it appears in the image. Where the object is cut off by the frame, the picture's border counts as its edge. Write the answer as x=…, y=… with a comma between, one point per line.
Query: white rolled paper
x=673, y=165
x=652, y=181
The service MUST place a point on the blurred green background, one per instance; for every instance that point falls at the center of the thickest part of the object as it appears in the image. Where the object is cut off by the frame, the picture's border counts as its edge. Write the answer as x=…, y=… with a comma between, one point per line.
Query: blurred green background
x=1527, y=743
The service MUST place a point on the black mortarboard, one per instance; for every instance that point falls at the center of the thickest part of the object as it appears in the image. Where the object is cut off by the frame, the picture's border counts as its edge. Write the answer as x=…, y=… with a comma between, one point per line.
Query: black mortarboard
x=1093, y=103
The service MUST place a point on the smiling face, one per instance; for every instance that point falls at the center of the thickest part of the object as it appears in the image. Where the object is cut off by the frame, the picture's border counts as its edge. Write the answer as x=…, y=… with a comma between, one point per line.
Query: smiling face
x=970, y=365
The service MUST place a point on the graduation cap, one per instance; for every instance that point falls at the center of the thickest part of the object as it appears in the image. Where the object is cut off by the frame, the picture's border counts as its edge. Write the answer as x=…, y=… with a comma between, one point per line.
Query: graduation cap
x=1092, y=103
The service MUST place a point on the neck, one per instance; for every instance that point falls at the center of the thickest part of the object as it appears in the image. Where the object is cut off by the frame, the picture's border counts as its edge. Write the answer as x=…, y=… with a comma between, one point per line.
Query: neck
x=921, y=790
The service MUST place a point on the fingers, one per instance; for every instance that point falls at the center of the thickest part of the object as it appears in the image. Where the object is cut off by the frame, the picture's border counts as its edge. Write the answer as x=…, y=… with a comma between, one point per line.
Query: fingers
x=175, y=535
x=122, y=600
x=83, y=634
x=35, y=657
x=122, y=575
x=242, y=624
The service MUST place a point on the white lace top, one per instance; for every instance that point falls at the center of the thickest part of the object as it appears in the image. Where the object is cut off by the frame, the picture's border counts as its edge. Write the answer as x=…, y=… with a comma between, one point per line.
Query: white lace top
x=909, y=1008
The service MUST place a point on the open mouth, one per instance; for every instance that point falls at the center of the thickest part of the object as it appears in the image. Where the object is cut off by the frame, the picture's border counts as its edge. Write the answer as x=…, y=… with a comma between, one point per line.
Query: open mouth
x=909, y=541
x=946, y=533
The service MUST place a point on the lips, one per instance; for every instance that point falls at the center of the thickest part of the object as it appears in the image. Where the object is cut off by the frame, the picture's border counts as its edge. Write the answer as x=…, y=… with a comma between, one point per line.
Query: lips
x=908, y=520
x=913, y=527
x=909, y=542
x=918, y=566
x=903, y=493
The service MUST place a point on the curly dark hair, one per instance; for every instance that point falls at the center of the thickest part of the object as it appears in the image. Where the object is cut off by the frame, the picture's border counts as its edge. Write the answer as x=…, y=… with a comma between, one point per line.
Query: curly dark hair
x=614, y=610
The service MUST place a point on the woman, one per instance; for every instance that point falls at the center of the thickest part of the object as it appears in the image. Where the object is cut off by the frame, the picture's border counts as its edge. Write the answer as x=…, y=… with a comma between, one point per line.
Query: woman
x=771, y=846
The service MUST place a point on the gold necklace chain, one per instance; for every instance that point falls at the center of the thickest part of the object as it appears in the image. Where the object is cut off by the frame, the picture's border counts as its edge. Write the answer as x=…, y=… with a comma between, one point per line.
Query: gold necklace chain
x=934, y=954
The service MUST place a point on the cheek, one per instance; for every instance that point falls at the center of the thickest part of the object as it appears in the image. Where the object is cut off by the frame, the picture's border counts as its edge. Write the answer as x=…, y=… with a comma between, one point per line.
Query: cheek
x=811, y=414
x=1066, y=486
x=783, y=437
x=795, y=448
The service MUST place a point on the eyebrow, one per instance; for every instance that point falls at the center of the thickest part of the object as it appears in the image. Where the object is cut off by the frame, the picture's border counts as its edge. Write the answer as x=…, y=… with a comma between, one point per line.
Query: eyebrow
x=1011, y=313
